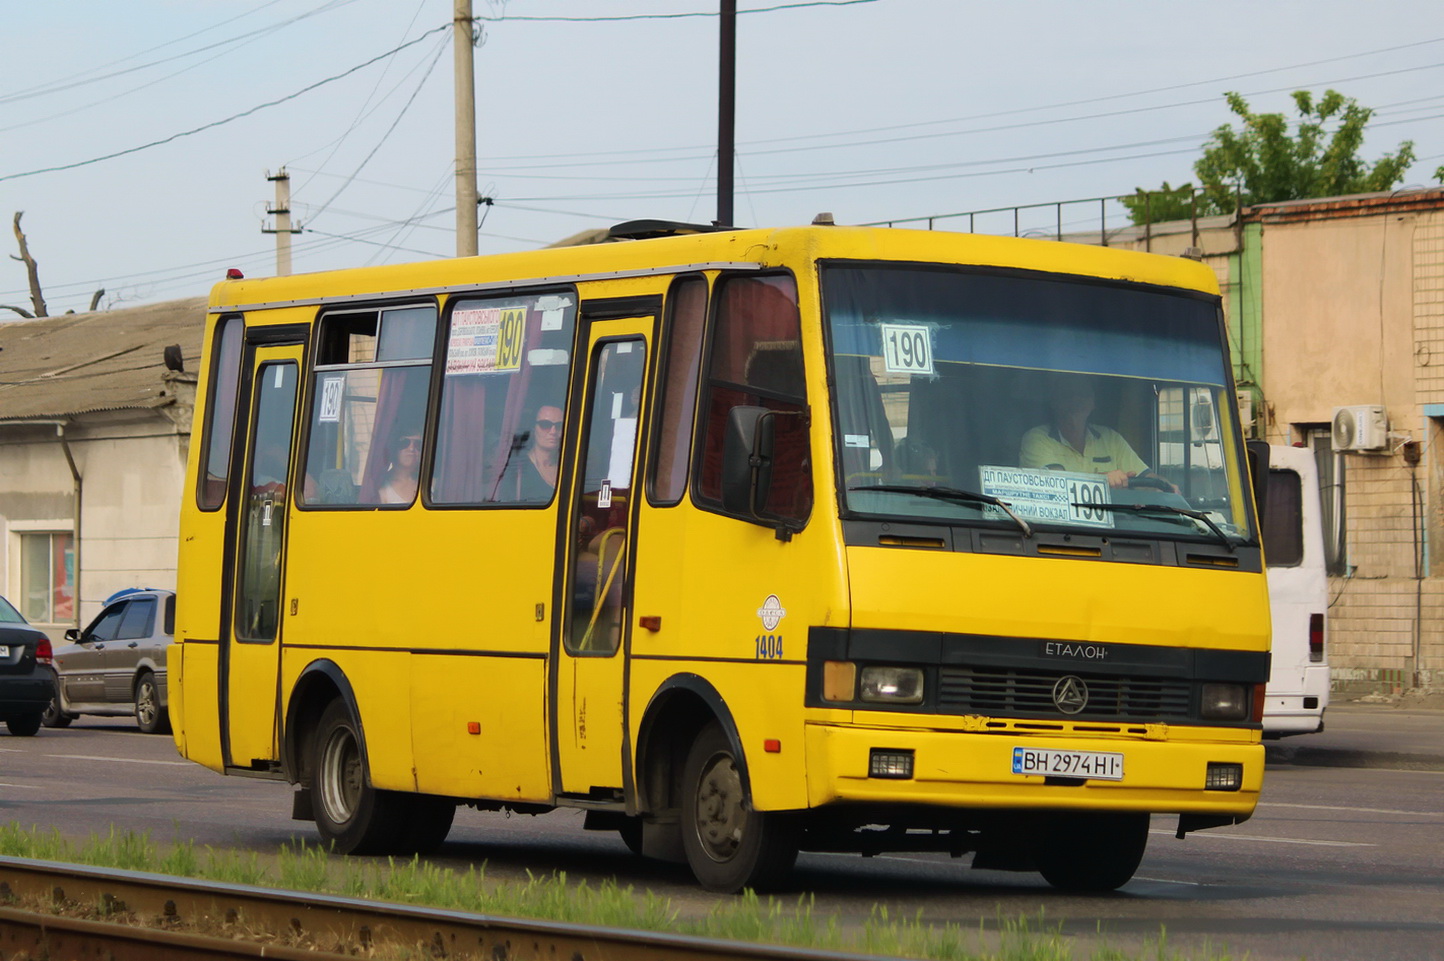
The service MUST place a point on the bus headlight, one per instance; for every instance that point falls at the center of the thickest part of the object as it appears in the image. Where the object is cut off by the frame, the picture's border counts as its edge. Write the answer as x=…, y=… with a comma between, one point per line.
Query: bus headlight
x=1225, y=702
x=892, y=685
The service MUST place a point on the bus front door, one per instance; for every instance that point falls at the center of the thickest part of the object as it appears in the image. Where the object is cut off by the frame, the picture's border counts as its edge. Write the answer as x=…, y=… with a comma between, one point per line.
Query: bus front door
x=589, y=671
x=255, y=550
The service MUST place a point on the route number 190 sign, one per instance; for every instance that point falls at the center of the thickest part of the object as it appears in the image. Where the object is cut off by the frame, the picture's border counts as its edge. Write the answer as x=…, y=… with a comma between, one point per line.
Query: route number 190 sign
x=906, y=349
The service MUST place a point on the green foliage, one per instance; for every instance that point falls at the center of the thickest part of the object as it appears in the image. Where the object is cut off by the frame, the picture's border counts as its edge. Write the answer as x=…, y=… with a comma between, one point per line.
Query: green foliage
x=1168, y=203
x=1262, y=161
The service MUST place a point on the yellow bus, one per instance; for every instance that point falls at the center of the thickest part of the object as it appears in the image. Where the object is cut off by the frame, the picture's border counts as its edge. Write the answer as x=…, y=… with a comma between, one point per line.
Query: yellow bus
x=744, y=542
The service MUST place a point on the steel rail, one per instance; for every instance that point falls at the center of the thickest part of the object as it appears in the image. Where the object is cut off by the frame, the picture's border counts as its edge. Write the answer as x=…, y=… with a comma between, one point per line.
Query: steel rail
x=325, y=920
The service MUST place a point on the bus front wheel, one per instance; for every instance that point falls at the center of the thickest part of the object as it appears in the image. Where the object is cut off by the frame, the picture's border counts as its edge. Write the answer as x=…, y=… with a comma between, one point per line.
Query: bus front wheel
x=729, y=845
x=1092, y=852
x=351, y=814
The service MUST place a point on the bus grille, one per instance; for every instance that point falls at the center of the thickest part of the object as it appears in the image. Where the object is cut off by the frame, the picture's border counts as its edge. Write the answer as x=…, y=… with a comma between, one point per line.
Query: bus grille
x=1007, y=691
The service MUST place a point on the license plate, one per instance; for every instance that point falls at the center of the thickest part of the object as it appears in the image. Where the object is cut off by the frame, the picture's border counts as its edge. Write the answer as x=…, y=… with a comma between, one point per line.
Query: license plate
x=1098, y=765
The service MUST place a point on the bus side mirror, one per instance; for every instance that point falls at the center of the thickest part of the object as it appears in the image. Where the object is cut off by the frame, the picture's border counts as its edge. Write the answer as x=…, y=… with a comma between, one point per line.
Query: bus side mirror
x=747, y=460
x=1258, y=469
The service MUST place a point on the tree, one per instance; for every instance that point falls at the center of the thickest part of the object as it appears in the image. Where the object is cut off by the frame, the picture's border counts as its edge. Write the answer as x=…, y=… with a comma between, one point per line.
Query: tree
x=1168, y=203
x=32, y=271
x=1263, y=162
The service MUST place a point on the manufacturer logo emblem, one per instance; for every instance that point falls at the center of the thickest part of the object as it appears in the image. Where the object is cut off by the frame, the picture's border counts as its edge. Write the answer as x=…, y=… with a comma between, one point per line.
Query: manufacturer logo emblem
x=772, y=612
x=1070, y=694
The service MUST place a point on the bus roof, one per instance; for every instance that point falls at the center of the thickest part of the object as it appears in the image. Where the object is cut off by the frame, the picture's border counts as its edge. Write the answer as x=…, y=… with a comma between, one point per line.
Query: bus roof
x=720, y=249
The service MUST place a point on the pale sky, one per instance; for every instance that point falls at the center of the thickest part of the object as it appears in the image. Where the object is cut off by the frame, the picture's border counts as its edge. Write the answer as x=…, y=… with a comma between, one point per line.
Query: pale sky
x=871, y=109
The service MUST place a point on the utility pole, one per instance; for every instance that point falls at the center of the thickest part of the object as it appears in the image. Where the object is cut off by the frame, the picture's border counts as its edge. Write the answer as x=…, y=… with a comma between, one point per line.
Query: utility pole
x=465, y=72
x=283, y=230
x=726, y=110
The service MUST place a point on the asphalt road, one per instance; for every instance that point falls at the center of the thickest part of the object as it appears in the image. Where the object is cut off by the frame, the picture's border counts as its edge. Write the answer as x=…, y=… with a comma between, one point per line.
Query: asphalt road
x=1340, y=862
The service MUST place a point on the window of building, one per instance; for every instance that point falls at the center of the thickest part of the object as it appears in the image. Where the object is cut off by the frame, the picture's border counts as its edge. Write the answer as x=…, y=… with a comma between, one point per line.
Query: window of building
x=686, y=318
x=755, y=360
x=368, y=412
x=506, y=368
x=47, y=577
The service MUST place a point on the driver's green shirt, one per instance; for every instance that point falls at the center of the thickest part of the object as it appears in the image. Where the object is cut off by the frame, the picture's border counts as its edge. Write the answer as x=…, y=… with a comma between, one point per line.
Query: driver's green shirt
x=1104, y=450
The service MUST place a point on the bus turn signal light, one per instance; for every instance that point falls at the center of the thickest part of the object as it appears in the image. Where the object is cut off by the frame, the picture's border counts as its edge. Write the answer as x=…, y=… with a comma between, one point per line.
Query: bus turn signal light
x=839, y=681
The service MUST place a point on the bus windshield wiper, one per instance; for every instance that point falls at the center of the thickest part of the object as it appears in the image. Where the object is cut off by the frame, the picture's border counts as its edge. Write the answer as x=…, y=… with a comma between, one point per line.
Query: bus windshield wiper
x=1165, y=509
x=950, y=494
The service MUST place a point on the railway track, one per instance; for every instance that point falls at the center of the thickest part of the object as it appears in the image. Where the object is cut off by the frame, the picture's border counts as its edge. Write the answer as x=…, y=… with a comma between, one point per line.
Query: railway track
x=66, y=911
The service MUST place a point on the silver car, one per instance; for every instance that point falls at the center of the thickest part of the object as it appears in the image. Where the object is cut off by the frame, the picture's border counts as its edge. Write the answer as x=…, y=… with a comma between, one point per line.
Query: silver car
x=116, y=666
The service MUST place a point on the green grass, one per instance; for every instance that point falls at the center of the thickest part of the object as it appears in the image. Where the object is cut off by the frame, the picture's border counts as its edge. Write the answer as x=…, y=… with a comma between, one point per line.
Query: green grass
x=308, y=867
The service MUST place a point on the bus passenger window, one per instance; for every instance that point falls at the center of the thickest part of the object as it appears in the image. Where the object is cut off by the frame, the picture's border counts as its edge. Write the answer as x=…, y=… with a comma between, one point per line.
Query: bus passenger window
x=506, y=367
x=368, y=410
x=756, y=361
x=686, y=314
x=221, y=412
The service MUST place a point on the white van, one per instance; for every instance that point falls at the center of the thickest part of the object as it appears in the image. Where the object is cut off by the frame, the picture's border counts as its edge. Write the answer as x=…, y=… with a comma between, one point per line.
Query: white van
x=1293, y=535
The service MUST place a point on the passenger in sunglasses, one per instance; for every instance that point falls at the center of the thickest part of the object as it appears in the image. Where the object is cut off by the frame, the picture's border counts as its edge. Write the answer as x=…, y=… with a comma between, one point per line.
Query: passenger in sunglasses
x=530, y=479
x=399, y=484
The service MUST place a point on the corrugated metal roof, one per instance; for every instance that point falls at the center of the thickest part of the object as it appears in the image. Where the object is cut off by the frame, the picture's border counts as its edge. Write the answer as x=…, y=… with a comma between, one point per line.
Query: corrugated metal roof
x=107, y=360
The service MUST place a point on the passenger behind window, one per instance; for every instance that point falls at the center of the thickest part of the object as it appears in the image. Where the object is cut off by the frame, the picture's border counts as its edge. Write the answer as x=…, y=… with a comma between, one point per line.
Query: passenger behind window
x=917, y=463
x=531, y=469
x=398, y=484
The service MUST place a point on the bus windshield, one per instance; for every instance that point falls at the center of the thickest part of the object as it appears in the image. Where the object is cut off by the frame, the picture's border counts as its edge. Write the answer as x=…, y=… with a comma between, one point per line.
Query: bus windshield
x=1032, y=401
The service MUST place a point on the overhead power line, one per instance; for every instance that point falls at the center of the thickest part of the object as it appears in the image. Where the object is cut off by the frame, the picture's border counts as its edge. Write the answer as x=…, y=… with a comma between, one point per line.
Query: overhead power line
x=499, y=18
x=217, y=123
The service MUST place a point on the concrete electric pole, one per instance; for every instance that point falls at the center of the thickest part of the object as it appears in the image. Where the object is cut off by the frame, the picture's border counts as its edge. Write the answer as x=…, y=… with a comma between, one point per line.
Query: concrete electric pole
x=462, y=46
x=283, y=230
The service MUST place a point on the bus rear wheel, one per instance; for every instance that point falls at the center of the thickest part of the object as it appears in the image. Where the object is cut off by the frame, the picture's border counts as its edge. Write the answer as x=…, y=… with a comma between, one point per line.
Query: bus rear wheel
x=729, y=845
x=1092, y=852
x=352, y=815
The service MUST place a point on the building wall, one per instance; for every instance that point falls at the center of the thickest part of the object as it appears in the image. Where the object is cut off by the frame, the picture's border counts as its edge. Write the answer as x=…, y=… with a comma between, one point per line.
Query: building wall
x=1351, y=314
x=132, y=468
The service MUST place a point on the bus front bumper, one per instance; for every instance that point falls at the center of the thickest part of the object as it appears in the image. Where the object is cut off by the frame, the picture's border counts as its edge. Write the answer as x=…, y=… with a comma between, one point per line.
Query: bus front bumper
x=965, y=769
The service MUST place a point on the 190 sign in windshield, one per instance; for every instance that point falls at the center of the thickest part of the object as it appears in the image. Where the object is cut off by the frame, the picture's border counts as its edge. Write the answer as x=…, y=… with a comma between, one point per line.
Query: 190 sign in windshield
x=1033, y=400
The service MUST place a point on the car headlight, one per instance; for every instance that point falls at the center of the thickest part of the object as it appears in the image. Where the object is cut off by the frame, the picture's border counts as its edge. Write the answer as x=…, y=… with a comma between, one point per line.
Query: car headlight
x=1225, y=702
x=892, y=685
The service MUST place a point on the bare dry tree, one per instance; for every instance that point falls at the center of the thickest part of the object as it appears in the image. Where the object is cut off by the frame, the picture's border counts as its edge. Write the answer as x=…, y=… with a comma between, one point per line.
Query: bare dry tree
x=32, y=270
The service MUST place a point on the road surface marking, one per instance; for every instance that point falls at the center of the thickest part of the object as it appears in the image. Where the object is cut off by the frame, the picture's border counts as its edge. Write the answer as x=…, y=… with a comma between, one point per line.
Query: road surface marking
x=1256, y=837
x=117, y=760
x=1327, y=807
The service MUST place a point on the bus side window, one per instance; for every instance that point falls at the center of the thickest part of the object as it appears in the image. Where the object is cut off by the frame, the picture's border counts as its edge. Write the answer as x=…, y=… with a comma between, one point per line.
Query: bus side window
x=686, y=316
x=368, y=410
x=221, y=412
x=507, y=361
x=756, y=361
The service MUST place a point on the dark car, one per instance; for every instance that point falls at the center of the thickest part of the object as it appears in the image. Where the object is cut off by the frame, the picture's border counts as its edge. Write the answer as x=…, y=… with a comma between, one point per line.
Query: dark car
x=27, y=679
x=116, y=666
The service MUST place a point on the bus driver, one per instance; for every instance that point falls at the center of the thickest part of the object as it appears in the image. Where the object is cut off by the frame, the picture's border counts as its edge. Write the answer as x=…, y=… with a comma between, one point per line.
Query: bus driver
x=1070, y=443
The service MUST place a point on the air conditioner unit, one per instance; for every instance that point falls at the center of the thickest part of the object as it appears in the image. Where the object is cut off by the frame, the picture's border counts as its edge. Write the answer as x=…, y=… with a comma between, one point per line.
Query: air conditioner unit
x=1244, y=399
x=1360, y=427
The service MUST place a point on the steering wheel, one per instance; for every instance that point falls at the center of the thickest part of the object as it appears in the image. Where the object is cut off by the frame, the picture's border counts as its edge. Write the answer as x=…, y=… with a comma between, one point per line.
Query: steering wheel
x=1156, y=483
